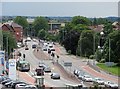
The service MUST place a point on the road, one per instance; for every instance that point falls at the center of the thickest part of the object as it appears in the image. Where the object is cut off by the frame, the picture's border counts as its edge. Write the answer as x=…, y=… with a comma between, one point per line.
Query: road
x=80, y=64
x=34, y=57
x=27, y=76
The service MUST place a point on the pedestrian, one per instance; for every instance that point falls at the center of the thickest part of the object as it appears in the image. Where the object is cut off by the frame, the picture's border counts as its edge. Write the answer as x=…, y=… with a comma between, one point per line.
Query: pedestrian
x=57, y=56
x=51, y=87
x=23, y=55
x=37, y=49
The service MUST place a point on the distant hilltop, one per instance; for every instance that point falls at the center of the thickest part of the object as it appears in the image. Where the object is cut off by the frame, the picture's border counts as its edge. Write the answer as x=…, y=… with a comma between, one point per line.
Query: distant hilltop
x=58, y=18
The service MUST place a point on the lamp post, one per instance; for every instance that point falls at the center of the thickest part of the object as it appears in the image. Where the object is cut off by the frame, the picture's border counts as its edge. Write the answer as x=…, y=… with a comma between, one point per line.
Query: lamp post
x=109, y=50
x=1, y=40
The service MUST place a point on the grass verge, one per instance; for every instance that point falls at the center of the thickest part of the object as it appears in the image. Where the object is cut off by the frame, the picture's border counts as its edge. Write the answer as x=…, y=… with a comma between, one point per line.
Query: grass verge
x=113, y=69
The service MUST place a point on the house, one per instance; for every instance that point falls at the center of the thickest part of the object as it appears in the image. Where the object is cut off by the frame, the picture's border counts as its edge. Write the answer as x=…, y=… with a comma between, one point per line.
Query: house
x=98, y=28
x=15, y=29
x=116, y=25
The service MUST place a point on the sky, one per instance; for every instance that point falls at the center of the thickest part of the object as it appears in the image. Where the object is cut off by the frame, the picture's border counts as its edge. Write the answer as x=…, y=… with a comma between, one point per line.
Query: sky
x=68, y=8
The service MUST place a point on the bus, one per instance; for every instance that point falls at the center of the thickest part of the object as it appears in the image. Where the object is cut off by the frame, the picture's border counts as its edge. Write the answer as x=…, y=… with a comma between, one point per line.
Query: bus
x=23, y=65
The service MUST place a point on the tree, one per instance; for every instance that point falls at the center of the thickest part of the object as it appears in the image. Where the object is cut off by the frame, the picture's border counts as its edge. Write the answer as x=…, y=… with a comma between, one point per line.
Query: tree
x=108, y=28
x=71, y=40
x=39, y=24
x=8, y=41
x=112, y=43
x=42, y=33
x=85, y=43
x=23, y=22
x=95, y=22
x=80, y=20
x=79, y=27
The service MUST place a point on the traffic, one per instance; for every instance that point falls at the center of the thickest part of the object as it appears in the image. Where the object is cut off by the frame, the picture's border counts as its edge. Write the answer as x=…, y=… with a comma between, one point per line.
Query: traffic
x=50, y=69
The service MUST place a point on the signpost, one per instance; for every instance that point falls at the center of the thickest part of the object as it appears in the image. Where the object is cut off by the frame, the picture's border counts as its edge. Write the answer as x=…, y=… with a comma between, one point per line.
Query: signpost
x=12, y=69
x=67, y=64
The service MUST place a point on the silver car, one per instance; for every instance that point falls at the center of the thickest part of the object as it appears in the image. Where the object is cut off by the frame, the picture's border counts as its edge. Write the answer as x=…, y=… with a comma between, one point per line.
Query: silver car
x=55, y=76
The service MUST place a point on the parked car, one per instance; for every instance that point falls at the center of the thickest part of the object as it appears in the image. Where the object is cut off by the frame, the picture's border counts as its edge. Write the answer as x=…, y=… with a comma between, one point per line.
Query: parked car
x=55, y=76
x=87, y=78
x=15, y=83
x=2, y=78
x=5, y=81
x=30, y=87
x=99, y=81
x=8, y=84
x=111, y=85
x=80, y=76
x=20, y=86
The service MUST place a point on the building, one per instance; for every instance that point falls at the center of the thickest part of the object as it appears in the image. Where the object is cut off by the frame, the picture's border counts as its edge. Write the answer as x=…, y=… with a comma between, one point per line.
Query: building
x=116, y=25
x=15, y=29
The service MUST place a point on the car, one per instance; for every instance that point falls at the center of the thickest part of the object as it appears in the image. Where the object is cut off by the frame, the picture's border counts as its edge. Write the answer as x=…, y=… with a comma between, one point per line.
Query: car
x=111, y=85
x=8, y=84
x=30, y=87
x=34, y=40
x=20, y=86
x=87, y=78
x=76, y=72
x=47, y=69
x=44, y=49
x=98, y=81
x=52, y=49
x=26, y=48
x=2, y=78
x=5, y=81
x=50, y=45
x=34, y=46
x=15, y=83
x=42, y=65
x=28, y=39
x=55, y=76
x=39, y=71
x=80, y=76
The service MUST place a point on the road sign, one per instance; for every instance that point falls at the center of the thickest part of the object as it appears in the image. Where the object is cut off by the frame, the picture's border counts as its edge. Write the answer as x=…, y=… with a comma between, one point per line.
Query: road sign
x=67, y=64
x=12, y=69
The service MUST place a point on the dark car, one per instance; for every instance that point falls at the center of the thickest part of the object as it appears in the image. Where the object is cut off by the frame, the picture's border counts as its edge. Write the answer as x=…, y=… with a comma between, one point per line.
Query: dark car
x=34, y=46
x=26, y=48
x=39, y=71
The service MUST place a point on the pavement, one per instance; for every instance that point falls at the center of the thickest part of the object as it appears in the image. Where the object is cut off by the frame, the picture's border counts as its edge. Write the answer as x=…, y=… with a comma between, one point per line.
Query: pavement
x=90, y=69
